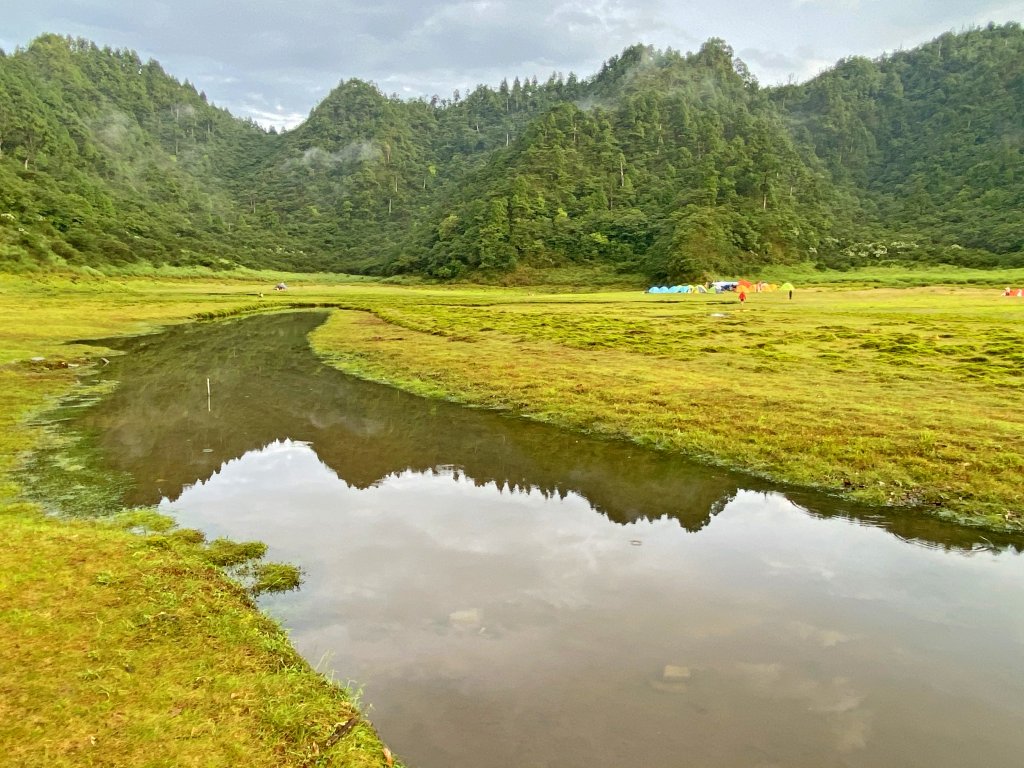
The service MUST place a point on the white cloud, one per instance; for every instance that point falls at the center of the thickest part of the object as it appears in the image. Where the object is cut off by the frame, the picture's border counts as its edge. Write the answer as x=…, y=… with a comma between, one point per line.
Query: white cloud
x=851, y=4
x=291, y=53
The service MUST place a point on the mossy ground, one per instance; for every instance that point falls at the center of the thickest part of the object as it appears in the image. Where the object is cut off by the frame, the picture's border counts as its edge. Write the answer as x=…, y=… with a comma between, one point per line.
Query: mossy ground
x=123, y=649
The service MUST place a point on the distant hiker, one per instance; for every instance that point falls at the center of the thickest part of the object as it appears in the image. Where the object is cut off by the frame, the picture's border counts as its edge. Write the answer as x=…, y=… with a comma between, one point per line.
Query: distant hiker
x=790, y=294
x=743, y=296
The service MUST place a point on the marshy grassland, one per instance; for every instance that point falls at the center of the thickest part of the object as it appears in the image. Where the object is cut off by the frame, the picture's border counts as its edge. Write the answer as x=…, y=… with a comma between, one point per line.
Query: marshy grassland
x=123, y=641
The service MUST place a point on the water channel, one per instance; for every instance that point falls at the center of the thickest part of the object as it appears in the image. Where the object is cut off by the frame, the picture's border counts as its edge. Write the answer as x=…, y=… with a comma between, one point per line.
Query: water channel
x=508, y=594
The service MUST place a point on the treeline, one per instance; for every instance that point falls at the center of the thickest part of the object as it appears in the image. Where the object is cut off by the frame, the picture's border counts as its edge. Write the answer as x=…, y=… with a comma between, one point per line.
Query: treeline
x=676, y=166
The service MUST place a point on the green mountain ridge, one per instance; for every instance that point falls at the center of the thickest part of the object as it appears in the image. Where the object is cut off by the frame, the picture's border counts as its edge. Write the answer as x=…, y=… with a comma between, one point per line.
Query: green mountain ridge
x=677, y=166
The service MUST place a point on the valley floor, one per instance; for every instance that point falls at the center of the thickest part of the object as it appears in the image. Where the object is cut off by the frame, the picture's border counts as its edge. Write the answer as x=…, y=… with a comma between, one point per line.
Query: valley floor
x=129, y=649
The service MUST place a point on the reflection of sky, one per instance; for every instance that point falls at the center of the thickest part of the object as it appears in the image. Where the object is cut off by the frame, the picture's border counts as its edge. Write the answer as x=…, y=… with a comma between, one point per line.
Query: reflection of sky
x=809, y=641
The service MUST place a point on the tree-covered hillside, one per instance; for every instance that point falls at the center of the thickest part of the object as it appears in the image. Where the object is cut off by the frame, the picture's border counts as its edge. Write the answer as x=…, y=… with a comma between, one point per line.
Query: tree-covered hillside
x=105, y=159
x=673, y=165
x=663, y=163
x=931, y=139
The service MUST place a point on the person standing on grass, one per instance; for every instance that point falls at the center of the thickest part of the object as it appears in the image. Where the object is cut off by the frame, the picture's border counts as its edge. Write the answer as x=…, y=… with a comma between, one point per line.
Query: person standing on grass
x=743, y=296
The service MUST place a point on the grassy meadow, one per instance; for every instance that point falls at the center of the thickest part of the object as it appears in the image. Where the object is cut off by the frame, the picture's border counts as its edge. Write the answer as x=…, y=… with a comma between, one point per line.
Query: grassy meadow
x=905, y=397
x=124, y=643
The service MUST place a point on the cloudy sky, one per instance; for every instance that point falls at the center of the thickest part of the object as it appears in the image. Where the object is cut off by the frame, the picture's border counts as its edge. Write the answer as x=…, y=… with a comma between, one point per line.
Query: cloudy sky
x=274, y=61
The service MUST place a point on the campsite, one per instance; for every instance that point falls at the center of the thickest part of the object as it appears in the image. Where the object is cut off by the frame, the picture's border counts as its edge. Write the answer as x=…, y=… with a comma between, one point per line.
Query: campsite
x=722, y=286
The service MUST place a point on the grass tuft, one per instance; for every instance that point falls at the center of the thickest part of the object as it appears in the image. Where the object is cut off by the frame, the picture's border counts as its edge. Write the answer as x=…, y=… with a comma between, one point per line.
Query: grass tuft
x=226, y=553
x=275, y=577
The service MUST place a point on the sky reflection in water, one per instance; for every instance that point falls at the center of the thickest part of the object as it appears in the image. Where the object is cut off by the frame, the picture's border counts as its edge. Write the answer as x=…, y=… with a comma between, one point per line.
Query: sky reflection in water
x=510, y=594
x=488, y=624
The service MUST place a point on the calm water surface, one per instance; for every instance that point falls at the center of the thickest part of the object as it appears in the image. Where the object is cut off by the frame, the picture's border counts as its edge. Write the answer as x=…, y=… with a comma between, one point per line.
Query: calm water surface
x=507, y=594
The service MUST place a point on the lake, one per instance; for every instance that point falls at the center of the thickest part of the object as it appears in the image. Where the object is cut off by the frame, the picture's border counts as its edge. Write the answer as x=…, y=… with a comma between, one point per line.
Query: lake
x=505, y=593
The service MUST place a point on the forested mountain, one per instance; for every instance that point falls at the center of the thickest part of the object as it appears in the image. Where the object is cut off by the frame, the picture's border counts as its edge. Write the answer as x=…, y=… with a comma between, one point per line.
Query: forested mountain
x=667, y=164
x=107, y=160
x=671, y=165
x=932, y=140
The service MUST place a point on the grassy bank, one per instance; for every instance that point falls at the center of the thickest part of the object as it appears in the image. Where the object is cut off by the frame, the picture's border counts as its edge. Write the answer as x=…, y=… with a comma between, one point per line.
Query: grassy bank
x=907, y=397
x=123, y=643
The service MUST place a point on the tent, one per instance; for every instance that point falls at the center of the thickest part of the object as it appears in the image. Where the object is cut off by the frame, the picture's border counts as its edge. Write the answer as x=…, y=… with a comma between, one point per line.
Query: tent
x=701, y=289
x=787, y=287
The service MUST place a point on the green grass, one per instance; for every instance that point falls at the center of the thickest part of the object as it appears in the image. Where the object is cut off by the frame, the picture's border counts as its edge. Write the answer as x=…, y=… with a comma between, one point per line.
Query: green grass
x=123, y=644
x=894, y=276
x=893, y=397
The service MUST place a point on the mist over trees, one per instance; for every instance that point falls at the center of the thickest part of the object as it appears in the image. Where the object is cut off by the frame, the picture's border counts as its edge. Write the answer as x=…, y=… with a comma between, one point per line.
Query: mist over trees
x=671, y=165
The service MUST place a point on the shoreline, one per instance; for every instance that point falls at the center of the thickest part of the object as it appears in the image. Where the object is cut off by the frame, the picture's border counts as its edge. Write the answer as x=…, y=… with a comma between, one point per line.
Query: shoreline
x=122, y=639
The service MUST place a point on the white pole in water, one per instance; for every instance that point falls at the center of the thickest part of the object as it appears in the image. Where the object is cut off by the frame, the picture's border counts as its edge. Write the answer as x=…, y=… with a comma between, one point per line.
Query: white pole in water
x=208, y=407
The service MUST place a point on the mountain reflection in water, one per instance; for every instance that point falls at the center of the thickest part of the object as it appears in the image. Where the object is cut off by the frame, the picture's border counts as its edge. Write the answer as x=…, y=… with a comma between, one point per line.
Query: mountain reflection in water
x=267, y=385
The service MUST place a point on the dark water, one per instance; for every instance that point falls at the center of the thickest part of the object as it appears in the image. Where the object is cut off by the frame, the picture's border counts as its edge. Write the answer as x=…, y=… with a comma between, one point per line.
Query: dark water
x=507, y=594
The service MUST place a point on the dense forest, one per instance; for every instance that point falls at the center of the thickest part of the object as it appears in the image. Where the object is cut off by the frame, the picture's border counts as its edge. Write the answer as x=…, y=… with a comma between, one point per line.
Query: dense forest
x=667, y=164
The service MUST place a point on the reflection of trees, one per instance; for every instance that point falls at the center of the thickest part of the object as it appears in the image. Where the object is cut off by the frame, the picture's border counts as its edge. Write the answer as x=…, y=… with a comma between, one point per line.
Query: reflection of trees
x=919, y=528
x=267, y=385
